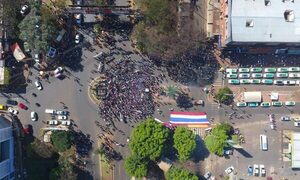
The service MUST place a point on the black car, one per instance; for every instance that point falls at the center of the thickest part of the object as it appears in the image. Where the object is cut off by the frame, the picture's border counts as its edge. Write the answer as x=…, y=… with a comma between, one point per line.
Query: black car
x=11, y=102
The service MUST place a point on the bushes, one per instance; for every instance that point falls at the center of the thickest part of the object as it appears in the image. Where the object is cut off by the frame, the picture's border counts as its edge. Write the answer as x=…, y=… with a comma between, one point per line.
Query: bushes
x=225, y=96
x=184, y=142
x=180, y=174
x=61, y=140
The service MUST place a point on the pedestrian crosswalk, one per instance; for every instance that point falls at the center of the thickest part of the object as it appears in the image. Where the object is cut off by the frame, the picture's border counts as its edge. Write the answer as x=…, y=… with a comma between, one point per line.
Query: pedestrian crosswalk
x=218, y=83
x=198, y=131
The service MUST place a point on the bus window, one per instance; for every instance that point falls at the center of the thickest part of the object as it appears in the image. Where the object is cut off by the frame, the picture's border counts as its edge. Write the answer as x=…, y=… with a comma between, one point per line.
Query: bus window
x=263, y=142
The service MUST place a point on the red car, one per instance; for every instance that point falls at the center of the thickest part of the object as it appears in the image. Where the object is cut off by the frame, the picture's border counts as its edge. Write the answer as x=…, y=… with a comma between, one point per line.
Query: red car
x=23, y=106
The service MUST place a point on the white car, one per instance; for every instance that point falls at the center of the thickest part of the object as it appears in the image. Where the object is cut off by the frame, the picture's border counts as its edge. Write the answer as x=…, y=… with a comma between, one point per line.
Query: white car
x=62, y=112
x=24, y=9
x=58, y=70
x=256, y=170
x=52, y=122
x=289, y=82
x=62, y=117
x=297, y=124
x=294, y=75
x=262, y=170
x=229, y=170
x=77, y=39
x=38, y=85
x=33, y=116
x=13, y=111
x=66, y=123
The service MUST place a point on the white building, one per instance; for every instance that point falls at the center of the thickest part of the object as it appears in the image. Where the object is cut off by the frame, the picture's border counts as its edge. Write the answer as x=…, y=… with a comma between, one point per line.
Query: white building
x=6, y=150
x=269, y=22
x=296, y=150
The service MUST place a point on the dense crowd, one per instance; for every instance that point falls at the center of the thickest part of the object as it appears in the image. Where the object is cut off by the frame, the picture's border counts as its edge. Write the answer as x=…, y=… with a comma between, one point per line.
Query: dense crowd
x=130, y=85
x=196, y=67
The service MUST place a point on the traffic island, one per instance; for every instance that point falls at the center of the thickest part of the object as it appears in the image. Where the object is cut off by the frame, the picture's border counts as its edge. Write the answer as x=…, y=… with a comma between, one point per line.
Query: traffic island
x=106, y=169
x=98, y=89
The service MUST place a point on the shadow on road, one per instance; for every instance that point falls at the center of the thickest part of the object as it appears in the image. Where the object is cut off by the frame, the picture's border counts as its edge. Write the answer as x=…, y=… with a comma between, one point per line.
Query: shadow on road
x=244, y=153
x=201, y=151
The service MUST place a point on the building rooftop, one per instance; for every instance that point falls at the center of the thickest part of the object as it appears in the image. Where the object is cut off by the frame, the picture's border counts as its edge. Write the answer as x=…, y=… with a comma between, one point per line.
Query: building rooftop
x=296, y=150
x=4, y=123
x=264, y=20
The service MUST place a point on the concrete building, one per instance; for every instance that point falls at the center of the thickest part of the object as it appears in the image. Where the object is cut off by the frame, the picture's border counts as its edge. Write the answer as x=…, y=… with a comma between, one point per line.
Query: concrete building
x=6, y=150
x=260, y=23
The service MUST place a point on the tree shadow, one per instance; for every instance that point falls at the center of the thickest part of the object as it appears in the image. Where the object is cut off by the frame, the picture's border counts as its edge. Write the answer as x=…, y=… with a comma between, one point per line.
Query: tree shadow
x=82, y=143
x=201, y=152
x=82, y=174
x=184, y=101
x=154, y=172
x=72, y=58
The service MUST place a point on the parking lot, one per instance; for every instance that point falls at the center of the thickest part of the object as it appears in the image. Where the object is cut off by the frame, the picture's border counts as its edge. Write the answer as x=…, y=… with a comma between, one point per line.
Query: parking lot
x=251, y=128
x=288, y=76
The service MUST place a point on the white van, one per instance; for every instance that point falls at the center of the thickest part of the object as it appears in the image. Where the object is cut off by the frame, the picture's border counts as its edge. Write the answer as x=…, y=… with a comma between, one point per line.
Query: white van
x=50, y=111
x=263, y=142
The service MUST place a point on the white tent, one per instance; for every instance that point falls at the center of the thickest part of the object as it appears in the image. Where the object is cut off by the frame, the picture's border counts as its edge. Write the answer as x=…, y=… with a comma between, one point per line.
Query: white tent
x=296, y=150
x=252, y=96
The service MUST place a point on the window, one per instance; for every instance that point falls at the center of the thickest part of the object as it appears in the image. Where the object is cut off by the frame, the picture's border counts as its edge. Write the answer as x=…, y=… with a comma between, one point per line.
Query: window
x=249, y=23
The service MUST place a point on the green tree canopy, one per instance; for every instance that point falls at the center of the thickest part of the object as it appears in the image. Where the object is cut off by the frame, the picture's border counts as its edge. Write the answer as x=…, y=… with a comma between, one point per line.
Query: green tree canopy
x=216, y=141
x=184, y=142
x=97, y=29
x=180, y=174
x=225, y=96
x=135, y=166
x=61, y=140
x=9, y=15
x=171, y=91
x=36, y=33
x=148, y=139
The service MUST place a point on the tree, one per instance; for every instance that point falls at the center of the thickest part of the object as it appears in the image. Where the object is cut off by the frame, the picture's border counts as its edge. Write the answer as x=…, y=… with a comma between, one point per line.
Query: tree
x=171, y=91
x=10, y=20
x=225, y=96
x=36, y=33
x=184, y=142
x=216, y=141
x=183, y=101
x=180, y=174
x=148, y=139
x=136, y=166
x=61, y=140
x=97, y=28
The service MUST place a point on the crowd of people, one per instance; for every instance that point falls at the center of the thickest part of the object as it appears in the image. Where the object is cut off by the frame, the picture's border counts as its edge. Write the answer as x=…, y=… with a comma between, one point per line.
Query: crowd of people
x=130, y=85
x=197, y=67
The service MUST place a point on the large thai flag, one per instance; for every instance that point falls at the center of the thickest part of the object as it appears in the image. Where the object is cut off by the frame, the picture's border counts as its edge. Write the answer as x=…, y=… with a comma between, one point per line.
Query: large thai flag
x=188, y=118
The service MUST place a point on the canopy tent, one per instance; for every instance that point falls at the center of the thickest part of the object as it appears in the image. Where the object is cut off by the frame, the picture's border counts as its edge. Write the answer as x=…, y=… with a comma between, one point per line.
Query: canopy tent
x=252, y=97
x=17, y=52
x=189, y=119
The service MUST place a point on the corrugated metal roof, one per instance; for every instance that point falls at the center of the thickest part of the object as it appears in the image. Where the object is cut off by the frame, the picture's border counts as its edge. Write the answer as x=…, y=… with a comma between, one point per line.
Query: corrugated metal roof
x=269, y=24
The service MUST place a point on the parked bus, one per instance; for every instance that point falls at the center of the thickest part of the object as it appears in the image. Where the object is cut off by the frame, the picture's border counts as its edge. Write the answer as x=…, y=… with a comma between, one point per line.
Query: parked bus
x=263, y=142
